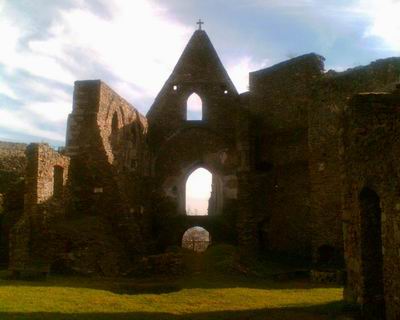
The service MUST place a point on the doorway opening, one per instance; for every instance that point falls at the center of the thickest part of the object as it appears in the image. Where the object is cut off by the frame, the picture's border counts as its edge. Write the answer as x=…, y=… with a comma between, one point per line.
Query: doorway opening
x=199, y=193
x=371, y=253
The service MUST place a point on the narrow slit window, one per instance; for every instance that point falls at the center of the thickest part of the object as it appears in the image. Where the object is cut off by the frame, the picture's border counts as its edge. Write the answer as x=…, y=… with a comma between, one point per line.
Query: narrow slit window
x=58, y=178
x=114, y=124
x=194, y=107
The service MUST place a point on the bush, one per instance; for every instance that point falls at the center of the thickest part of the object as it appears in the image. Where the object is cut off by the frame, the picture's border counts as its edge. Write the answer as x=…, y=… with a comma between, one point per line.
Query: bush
x=222, y=258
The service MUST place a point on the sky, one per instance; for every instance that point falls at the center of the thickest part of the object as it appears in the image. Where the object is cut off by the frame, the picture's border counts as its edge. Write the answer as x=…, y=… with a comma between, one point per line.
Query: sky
x=133, y=46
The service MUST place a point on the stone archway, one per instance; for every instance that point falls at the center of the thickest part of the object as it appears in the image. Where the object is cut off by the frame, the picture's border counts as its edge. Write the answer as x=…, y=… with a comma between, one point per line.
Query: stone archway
x=198, y=192
x=215, y=199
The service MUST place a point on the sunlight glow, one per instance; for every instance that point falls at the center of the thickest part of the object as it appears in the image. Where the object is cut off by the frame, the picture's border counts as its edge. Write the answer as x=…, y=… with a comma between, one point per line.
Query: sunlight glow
x=239, y=71
x=384, y=21
x=198, y=191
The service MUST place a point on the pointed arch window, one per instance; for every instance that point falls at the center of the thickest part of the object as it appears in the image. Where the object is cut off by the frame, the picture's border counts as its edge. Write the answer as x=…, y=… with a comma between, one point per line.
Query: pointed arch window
x=114, y=137
x=194, y=107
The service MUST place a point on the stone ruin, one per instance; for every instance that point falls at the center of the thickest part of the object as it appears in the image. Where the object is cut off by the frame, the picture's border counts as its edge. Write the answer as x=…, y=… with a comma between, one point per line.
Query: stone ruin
x=303, y=164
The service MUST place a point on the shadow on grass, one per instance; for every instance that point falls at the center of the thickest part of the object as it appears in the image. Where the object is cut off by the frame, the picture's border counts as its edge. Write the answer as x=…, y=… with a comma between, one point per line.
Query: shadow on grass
x=161, y=285
x=335, y=310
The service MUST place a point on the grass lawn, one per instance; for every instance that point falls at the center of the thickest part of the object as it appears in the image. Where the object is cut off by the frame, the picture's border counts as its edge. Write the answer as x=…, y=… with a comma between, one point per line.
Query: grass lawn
x=194, y=297
x=207, y=291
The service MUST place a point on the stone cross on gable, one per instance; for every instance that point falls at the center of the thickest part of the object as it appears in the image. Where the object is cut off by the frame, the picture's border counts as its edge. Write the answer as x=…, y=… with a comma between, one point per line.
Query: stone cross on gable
x=199, y=23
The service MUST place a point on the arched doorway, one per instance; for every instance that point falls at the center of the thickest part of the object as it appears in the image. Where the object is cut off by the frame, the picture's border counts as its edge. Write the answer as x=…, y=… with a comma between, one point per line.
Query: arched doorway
x=199, y=193
x=197, y=239
x=371, y=254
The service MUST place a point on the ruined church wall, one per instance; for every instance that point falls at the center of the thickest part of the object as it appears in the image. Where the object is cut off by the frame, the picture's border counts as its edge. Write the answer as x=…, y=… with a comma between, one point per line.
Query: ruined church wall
x=180, y=145
x=40, y=181
x=176, y=160
x=168, y=114
x=106, y=139
x=198, y=70
x=280, y=98
x=88, y=204
x=12, y=164
x=210, y=144
x=325, y=149
x=12, y=171
x=297, y=112
x=371, y=152
x=46, y=197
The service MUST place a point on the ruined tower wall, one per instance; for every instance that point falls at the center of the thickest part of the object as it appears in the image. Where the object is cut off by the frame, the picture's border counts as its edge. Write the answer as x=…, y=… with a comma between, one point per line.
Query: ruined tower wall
x=371, y=153
x=280, y=99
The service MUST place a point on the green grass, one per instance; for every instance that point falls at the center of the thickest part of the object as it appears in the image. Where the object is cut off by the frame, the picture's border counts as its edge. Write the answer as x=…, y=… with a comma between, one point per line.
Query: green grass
x=214, y=287
x=200, y=297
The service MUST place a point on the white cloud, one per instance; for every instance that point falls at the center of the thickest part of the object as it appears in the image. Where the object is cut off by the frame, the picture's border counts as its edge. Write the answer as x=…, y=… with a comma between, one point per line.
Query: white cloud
x=280, y=3
x=239, y=71
x=334, y=19
x=20, y=122
x=135, y=46
x=14, y=57
x=133, y=49
x=53, y=111
x=139, y=45
x=7, y=91
x=384, y=21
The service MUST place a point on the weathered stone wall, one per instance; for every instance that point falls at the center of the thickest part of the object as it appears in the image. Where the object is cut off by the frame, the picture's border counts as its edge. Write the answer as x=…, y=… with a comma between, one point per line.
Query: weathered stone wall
x=46, y=196
x=96, y=223
x=370, y=154
x=42, y=191
x=12, y=160
x=12, y=170
x=106, y=141
x=280, y=100
x=296, y=110
x=275, y=153
x=325, y=132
